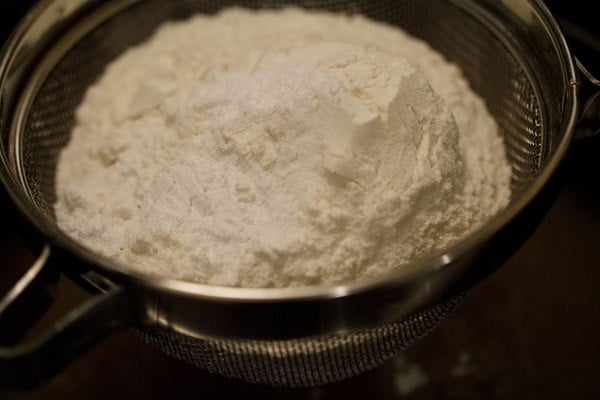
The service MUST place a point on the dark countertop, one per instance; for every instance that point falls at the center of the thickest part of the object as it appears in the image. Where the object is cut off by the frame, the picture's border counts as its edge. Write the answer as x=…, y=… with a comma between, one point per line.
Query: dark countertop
x=529, y=331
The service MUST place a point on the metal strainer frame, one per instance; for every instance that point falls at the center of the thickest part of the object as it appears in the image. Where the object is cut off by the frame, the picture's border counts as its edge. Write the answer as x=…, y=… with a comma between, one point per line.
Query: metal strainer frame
x=292, y=336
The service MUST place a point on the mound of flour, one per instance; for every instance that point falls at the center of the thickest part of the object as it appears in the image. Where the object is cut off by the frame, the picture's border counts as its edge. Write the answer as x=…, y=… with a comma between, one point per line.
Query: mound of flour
x=279, y=148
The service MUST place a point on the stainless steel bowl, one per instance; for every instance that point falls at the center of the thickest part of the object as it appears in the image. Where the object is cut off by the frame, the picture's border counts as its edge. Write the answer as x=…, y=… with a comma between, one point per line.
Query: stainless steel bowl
x=511, y=51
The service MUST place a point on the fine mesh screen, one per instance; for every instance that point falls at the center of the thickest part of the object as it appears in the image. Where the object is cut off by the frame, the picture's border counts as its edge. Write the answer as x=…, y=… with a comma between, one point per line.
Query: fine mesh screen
x=300, y=362
x=490, y=67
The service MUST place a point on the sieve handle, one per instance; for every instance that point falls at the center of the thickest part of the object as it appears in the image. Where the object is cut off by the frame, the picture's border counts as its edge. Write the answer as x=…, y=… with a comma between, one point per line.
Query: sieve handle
x=28, y=365
x=589, y=121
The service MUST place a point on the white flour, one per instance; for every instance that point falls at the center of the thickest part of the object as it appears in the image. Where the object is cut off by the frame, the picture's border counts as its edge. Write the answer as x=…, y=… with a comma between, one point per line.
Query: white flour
x=279, y=148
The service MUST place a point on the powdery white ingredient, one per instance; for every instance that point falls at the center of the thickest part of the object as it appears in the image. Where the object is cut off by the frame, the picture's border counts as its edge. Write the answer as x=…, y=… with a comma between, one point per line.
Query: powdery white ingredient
x=465, y=365
x=407, y=376
x=279, y=148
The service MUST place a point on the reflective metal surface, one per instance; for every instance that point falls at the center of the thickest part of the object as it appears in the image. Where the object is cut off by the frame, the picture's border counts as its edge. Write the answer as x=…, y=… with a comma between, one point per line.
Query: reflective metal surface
x=512, y=53
x=553, y=130
x=527, y=332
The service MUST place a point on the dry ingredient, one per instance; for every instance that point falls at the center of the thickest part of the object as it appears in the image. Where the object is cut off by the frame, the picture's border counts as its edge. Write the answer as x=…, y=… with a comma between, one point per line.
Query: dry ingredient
x=279, y=148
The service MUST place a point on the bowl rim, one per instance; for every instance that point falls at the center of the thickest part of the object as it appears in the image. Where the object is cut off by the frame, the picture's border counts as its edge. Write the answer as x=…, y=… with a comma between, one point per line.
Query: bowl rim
x=413, y=271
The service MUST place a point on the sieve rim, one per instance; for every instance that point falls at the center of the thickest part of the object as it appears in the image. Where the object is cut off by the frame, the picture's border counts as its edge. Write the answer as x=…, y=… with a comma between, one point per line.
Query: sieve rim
x=415, y=271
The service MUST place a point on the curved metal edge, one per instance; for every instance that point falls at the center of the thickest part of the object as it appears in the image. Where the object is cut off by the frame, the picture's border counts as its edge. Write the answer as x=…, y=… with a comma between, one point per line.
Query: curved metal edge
x=415, y=271
x=29, y=365
x=381, y=287
x=32, y=273
x=586, y=72
x=589, y=121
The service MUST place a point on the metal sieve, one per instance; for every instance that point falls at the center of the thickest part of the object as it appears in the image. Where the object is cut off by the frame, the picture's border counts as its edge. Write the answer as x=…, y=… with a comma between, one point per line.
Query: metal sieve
x=512, y=53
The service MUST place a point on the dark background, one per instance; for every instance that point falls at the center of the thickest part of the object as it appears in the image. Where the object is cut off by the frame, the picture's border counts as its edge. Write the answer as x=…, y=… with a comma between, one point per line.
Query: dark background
x=530, y=331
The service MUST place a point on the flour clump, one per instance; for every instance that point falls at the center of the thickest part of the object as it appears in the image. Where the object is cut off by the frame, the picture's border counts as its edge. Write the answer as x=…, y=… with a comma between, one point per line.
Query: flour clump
x=279, y=148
